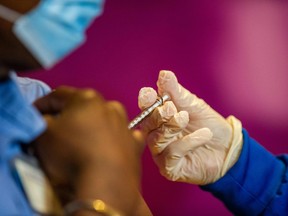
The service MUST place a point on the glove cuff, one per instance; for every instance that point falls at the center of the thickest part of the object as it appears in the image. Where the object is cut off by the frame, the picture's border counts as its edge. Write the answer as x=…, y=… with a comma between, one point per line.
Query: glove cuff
x=235, y=145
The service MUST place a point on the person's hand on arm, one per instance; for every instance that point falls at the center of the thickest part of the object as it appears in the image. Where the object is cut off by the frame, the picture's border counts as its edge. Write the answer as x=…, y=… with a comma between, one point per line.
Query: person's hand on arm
x=190, y=142
x=87, y=151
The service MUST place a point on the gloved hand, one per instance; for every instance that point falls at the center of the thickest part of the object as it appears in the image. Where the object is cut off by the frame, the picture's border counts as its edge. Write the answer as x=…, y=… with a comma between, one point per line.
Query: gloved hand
x=190, y=142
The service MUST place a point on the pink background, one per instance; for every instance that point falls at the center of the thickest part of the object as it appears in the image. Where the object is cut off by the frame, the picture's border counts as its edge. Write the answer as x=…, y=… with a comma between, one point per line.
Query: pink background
x=233, y=54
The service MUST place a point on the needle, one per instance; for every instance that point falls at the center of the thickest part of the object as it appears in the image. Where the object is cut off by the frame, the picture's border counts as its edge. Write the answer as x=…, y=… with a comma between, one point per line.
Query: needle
x=139, y=118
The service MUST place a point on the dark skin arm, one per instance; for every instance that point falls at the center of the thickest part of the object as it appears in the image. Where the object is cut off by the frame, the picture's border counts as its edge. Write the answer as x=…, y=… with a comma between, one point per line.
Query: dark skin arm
x=88, y=152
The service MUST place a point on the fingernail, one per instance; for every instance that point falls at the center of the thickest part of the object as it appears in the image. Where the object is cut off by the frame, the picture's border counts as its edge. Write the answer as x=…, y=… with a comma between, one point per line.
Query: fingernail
x=164, y=75
x=169, y=109
x=147, y=97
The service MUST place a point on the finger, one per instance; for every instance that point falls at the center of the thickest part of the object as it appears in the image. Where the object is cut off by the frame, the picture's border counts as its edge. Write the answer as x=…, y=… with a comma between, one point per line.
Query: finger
x=146, y=97
x=159, y=139
x=119, y=109
x=181, y=148
x=57, y=98
x=158, y=117
x=80, y=100
x=183, y=99
x=62, y=97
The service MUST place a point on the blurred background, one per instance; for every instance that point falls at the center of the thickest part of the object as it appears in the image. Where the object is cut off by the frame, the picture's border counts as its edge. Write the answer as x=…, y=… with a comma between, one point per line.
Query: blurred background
x=233, y=54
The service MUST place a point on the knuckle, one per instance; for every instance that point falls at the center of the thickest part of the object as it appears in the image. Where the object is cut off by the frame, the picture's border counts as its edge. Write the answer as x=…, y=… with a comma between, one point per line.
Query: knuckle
x=117, y=106
x=88, y=94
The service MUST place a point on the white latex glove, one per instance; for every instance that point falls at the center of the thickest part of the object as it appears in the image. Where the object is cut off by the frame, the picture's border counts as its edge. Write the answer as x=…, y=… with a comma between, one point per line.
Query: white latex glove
x=190, y=142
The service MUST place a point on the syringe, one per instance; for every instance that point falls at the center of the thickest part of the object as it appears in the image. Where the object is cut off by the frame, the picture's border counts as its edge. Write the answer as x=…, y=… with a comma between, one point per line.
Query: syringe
x=139, y=118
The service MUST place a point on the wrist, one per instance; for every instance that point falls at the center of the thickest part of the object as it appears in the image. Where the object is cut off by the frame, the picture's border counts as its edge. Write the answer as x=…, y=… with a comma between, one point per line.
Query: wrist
x=235, y=146
x=108, y=182
x=90, y=207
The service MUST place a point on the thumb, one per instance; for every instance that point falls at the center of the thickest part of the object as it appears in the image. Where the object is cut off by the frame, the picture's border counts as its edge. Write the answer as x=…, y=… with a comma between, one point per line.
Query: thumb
x=182, y=98
x=54, y=101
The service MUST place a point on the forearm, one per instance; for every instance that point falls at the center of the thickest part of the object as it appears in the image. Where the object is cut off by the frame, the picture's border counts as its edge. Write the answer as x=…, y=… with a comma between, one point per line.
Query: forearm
x=107, y=189
x=252, y=184
x=110, y=184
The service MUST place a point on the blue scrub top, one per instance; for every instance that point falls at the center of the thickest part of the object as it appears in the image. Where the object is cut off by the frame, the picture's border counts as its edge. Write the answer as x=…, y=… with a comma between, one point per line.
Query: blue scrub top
x=257, y=184
x=20, y=124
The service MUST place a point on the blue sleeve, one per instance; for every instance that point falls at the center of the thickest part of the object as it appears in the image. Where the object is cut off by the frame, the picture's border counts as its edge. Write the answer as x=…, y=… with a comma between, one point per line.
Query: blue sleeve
x=19, y=123
x=256, y=184
x=31, y=89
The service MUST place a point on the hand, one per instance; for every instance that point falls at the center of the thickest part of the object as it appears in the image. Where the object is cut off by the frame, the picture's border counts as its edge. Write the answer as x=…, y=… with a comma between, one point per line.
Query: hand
x=190, y=142
x=87, y=150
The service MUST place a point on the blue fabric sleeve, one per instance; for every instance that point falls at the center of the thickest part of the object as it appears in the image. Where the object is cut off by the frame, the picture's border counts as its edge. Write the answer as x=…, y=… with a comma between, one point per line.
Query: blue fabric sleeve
x=31, y=89
x=19, y=123
x=256, y=184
